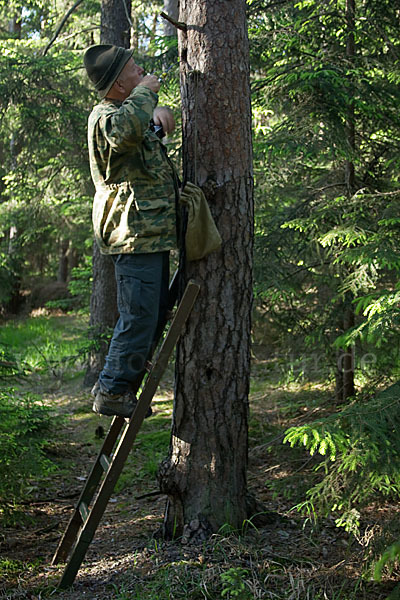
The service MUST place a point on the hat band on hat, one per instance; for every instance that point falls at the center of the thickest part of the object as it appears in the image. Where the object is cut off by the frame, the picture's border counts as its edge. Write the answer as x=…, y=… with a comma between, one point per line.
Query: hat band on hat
x=100, y=83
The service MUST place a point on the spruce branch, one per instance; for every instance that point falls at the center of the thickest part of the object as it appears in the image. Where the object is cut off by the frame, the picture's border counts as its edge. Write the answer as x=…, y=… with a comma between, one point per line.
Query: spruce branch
x=71, y=35
x=61, y=25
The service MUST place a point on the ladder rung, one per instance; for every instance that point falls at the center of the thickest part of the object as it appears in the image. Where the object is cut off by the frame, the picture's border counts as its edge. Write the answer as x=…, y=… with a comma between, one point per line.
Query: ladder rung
x=105, y=461
x=84, y=511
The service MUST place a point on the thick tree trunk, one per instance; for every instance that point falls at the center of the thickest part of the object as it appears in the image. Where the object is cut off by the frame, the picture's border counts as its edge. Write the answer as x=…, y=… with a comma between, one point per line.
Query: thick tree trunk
x=205, y=472
x=115, y=29
x=14, y=302
x=73, y=259
x=14, y=26
x=103, y=312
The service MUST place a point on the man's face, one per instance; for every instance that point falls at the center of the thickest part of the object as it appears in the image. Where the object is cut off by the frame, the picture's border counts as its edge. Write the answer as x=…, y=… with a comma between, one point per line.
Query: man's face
x=130, y=76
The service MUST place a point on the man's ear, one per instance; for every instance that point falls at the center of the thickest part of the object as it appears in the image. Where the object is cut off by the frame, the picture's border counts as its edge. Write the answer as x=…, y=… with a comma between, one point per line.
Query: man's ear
x=119, y=85
x=117, y=90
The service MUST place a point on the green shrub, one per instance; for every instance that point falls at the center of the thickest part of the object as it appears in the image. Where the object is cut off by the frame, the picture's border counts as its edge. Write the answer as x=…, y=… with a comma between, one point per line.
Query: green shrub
x=9, y=365
x=359, y=455
x=64, y=304
x=389, y=559
x=81, y=283
x=234, y=585
x=79, y=288
x=24, y=423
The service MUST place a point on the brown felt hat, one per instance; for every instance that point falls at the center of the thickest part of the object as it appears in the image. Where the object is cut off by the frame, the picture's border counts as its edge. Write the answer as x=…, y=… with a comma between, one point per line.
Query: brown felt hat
x=103, y=64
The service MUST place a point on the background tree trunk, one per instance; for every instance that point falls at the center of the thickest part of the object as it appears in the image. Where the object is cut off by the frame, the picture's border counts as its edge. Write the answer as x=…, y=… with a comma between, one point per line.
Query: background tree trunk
x=348, y=375
x=14, y=25
x=14, y=302
x=171, y=7
x=114, y=29
x=345, y=357
x=63, y=270
x=114, y=25
x=345, y=364
x=205, y=472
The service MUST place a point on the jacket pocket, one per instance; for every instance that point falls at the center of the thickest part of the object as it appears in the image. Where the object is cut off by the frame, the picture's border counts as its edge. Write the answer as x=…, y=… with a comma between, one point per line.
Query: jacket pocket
x=129, y=295
x=154, y=203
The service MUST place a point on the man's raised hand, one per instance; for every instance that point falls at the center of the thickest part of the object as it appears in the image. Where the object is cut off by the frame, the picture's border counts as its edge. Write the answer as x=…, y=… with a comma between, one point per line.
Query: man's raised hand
x=152, y=82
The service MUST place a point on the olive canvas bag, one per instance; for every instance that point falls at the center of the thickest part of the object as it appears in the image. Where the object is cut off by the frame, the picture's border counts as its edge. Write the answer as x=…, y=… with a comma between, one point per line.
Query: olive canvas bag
x=195, y=223
x=202, y=235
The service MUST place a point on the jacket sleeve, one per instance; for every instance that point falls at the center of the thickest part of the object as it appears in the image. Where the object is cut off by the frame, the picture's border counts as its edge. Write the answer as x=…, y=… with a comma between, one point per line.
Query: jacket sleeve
x=126, y=126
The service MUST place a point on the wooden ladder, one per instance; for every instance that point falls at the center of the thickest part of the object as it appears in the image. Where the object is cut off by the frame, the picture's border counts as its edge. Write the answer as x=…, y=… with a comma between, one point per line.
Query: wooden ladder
x=108, y=465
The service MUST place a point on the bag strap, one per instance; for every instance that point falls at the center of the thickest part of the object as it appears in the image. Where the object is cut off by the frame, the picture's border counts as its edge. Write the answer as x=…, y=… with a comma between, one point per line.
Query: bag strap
x=181, y=222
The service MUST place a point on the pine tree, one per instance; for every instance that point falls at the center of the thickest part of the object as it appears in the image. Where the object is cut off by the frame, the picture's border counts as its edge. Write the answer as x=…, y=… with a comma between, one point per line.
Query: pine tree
x=205, y=473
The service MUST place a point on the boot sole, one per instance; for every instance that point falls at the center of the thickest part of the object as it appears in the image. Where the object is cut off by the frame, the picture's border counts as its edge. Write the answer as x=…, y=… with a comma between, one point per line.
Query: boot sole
x=109, y=412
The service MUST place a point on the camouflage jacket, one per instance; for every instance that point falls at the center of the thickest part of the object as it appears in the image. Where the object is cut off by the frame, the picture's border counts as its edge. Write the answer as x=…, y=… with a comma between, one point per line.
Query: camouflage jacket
x=134, y=203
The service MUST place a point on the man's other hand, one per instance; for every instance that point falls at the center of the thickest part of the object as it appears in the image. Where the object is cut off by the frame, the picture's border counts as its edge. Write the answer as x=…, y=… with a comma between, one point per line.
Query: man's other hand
x=163, y=116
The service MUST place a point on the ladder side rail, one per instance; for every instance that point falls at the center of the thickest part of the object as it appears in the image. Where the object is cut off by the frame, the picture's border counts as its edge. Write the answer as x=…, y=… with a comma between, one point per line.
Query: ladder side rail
x=87, y=493
x=151, y=384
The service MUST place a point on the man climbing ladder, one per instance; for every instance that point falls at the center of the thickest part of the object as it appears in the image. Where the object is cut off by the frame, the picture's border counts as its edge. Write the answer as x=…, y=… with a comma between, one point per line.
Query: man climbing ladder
x=134, y=213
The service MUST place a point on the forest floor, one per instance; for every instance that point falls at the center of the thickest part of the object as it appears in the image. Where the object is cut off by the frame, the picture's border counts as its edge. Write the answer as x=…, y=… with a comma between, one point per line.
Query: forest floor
x=292, y=558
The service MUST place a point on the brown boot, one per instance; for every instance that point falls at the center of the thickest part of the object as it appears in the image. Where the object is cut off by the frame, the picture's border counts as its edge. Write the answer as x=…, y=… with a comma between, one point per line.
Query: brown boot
x=120, y=405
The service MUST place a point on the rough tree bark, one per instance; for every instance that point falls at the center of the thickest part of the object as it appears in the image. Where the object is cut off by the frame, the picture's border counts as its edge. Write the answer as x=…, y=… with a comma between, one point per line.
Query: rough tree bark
x=205, y=472
x=114, y=29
